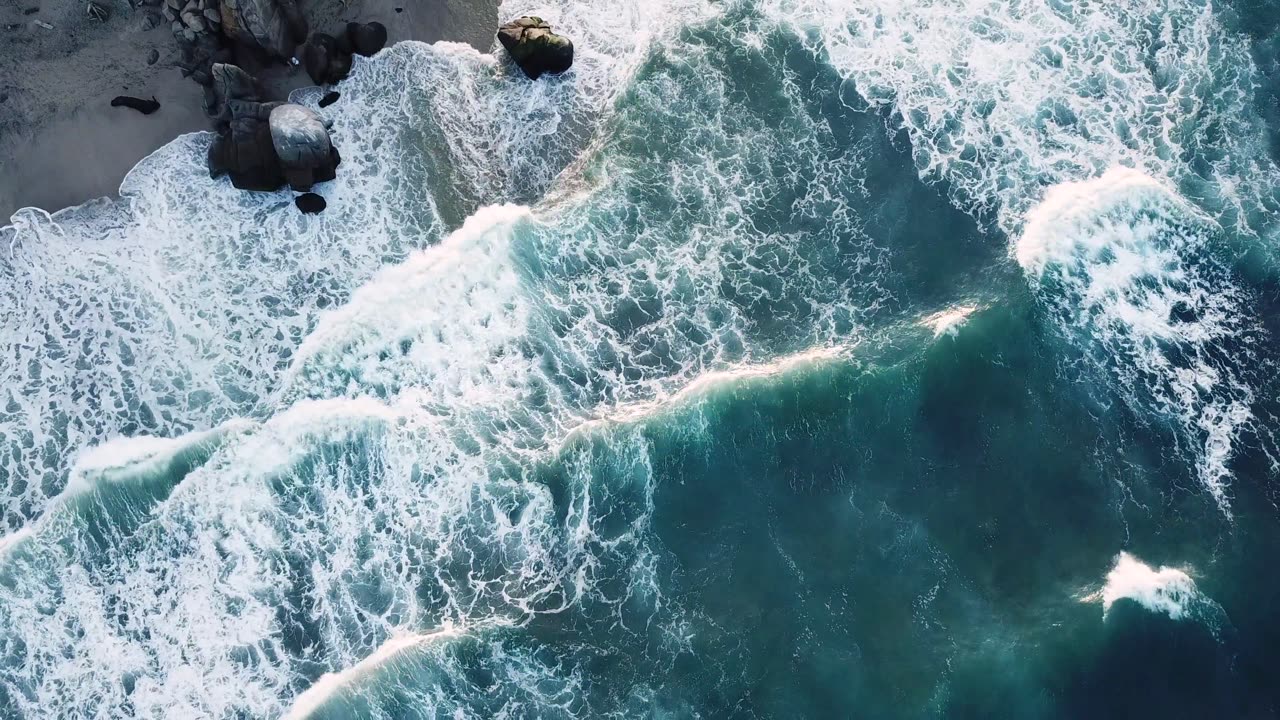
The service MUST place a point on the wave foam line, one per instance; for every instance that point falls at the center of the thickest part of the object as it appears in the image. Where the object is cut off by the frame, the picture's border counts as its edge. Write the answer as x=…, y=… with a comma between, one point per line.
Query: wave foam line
x=710, y=382
x=330, y=684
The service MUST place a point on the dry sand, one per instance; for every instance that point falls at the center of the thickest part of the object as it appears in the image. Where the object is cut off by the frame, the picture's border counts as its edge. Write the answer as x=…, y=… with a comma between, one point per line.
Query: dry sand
x=61, y=142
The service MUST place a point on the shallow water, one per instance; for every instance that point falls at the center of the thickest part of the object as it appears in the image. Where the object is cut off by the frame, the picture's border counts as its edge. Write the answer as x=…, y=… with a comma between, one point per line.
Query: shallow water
x=800, y=358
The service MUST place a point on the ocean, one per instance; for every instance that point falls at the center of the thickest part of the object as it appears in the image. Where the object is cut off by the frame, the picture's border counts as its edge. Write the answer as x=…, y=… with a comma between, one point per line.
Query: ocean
x=784, y=359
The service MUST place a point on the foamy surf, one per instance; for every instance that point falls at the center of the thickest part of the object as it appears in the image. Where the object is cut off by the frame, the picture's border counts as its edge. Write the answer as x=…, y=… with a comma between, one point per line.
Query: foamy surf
x=1126, y=267
x=330, y=685
x=1166, y=590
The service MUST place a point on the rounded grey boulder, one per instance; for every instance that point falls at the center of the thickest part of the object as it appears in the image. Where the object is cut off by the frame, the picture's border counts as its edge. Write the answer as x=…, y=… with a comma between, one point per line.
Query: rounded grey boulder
x=301, y=140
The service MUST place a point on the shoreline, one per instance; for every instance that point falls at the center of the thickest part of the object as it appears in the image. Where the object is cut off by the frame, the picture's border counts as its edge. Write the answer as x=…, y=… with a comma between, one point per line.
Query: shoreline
x=62, y=144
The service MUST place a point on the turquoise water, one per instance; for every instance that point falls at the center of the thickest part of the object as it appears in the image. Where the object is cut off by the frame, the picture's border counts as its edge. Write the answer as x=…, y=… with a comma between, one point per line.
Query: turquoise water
x=791, y=358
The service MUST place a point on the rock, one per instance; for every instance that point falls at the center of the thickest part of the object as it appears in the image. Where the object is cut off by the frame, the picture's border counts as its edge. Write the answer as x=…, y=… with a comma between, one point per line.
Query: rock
x=258, y=23
x=301, y=140
x=153, y=57
x=212, y=16
x=245, y=152
x=329, y=98
x=168, y=13
x=367, y=38
x=324, y=60
x=146, y=107
x=535, y=48
x=149, y=21
x=310, y=203
x=294, y=20
x=229, y=83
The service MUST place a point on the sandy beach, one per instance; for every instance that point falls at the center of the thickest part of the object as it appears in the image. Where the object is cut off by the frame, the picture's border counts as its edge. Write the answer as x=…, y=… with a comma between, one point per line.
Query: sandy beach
x=61, y=142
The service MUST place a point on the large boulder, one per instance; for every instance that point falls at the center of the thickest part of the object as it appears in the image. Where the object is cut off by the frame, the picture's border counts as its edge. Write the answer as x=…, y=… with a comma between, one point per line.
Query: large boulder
x=263, y=24
x=229, y=83
x=301, y=140
x=535, y=48
x=328, y=59
x=325, y=61
x=244, y=149
x=367, y=38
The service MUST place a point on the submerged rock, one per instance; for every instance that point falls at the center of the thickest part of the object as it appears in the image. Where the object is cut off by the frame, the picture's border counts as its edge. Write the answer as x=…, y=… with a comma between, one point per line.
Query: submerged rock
x=329, y=98
x=310, y=203
x=535, y=48
x=301, y=140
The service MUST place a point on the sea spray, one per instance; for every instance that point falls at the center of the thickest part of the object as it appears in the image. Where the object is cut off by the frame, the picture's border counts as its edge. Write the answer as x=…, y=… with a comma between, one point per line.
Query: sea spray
x=1128, y=269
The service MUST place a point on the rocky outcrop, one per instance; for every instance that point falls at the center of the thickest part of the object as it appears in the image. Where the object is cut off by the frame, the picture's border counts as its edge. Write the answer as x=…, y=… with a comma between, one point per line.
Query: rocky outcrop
x=324, y=61
x=301, y=140
x=327, y=59
x=275, y=26
x=228, y=83
x=535, y=48
x=244, y=149
x=265, y=146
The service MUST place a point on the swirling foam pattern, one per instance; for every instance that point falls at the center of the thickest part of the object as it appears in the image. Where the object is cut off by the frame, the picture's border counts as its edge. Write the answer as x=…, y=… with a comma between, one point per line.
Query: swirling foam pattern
x=398, y=459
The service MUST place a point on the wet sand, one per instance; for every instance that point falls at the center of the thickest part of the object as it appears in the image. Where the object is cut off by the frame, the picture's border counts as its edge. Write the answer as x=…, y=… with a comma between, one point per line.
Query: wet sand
x=61, y=142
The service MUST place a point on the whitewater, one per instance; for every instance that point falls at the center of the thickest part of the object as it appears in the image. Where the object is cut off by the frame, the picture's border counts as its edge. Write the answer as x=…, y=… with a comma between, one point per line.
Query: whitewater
x=785, y=358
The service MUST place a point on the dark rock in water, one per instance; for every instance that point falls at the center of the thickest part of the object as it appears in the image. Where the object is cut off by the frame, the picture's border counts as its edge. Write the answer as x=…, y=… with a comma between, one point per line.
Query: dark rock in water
x=229, y=82
x=329, y=98
x=301, y=140
x=31, y=11
x=146, y=107
x=324, y=61
x=153, y=57
x=399, y=10
x=368, y=38
x=535, y=48
x=310, y=203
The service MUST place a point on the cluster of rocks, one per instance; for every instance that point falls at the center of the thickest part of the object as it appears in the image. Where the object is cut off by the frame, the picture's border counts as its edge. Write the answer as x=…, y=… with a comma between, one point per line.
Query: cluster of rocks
x=211, y=31
x=266, y=145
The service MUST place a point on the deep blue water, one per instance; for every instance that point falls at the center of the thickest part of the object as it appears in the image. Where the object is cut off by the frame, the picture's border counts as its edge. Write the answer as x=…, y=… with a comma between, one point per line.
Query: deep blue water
x=807, y=358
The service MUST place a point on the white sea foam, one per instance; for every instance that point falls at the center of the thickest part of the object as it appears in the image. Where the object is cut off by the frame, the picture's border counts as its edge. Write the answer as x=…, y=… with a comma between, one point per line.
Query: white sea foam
x=1002, y=100
x=376, y=493
x=1163, y=590
x=333, y=683
x=129, y=459
x=1126, y=267
x=733, y=378
x=949, y=321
